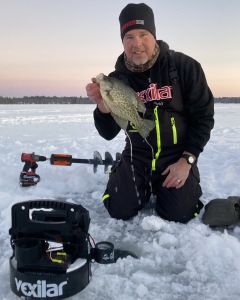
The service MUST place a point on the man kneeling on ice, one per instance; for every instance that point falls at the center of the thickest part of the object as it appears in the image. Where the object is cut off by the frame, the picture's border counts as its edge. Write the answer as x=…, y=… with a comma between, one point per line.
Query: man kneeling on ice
x=174, y=90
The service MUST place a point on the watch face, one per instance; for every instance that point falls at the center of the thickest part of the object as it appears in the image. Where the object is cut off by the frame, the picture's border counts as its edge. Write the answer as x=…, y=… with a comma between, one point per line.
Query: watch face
x=191, y=159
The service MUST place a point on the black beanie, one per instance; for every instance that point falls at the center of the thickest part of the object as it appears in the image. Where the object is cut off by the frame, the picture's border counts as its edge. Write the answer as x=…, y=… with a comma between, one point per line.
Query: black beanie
x=137, y=16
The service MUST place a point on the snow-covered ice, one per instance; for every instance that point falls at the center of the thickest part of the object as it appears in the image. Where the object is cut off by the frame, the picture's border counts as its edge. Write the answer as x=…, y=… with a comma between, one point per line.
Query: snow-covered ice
x=176, y=261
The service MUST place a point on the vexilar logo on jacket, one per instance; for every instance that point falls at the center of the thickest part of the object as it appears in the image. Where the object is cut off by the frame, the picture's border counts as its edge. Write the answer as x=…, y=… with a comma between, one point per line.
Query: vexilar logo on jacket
x=153, y=93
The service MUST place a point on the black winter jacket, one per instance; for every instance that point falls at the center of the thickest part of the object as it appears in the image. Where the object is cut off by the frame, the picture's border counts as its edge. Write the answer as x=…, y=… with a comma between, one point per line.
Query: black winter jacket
x=177, y=97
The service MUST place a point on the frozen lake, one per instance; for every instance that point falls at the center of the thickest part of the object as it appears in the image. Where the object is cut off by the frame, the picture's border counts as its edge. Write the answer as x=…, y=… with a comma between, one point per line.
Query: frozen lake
x=177, y=261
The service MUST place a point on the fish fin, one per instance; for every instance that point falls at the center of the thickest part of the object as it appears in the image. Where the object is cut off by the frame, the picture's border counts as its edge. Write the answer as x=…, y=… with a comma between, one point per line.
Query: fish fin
x=121, y=122
x=106, y=106
x=140, y=106
x=145, y=127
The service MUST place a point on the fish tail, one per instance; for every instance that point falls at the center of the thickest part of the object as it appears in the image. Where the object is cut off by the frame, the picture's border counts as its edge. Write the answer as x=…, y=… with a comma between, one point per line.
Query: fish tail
x=146, y=127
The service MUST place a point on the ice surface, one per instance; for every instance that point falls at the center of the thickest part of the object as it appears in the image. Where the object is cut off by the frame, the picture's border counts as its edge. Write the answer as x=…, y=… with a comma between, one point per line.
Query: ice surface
x=176, y=261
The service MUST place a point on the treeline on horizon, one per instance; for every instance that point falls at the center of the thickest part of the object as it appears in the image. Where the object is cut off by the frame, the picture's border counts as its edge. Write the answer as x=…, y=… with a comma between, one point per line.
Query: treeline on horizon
x=45, y=100
x=79, y=100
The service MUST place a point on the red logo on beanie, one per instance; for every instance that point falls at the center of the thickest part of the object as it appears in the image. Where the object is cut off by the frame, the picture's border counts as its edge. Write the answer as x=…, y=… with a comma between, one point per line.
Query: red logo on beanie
x=131, y=23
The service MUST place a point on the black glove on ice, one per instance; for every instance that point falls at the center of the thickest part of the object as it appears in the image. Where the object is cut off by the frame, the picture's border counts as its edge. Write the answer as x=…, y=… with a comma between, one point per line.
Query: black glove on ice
x=222, y=212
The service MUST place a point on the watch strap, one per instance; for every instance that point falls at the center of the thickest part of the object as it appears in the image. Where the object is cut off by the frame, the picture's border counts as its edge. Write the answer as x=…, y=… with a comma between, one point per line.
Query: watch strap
x=189, y=158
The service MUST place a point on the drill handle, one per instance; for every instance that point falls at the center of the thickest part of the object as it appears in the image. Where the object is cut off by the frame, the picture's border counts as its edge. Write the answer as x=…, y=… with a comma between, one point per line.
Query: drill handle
x=30, y=165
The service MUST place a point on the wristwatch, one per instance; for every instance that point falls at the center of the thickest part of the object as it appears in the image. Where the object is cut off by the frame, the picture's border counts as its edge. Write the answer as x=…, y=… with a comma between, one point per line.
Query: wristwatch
x=189, y=158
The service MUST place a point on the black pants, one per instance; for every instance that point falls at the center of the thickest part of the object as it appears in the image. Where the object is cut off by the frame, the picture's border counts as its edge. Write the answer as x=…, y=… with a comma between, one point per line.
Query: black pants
x=129, y=189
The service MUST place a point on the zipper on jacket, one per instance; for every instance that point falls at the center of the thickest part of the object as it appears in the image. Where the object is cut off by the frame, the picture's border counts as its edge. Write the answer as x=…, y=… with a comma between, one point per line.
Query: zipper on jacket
x=158, y=136
x=174, y=131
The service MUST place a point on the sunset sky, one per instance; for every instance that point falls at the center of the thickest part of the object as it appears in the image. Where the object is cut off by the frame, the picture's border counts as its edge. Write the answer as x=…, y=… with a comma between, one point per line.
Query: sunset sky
x=54, y=47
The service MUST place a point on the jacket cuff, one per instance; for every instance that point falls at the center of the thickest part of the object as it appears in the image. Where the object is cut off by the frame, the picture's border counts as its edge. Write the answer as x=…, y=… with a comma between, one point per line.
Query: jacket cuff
x=193, y=151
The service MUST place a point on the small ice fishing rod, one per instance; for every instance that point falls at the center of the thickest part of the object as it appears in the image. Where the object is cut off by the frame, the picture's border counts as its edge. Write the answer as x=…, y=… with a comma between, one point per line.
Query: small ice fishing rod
x=28, y=176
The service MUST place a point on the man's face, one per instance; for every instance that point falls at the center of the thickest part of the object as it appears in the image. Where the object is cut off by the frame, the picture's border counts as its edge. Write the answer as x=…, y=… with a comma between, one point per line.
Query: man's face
x=139, y=45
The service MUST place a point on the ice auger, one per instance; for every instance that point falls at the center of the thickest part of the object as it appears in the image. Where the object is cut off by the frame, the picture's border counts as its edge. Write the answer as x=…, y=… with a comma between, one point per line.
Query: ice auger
x=28, y=176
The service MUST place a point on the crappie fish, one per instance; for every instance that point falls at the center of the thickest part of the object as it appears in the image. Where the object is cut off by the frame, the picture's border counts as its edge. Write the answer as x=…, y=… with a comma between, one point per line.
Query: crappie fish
x=124, y=104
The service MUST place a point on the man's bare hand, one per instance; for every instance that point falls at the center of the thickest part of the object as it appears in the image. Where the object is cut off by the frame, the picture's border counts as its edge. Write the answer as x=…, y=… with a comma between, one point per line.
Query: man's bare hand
x=94, y=94
x=177, y=174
